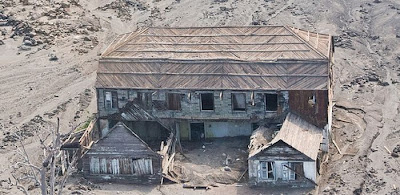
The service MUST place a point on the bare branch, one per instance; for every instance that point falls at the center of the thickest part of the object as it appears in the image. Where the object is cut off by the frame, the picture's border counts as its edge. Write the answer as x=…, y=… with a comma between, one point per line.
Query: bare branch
x=19, y=187
x=28, y=165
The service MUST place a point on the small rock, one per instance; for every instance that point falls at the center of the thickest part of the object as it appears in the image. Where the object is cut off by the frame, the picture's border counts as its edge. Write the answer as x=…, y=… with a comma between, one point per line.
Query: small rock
x=53, y=57
x=28, y=43
x=226, y=168
x=1, y=42
x=383, y=83
x=24, y=48
x=86, y=39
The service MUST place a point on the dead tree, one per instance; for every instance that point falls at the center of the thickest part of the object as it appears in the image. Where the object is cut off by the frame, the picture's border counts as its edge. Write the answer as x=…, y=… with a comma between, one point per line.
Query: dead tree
x=52, y=155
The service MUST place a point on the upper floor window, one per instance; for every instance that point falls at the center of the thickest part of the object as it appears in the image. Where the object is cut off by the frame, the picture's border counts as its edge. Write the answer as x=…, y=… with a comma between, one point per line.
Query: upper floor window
x=111, y=99
x=174, y=101
x=207, y=101
x=271, y=102
x=238, y=101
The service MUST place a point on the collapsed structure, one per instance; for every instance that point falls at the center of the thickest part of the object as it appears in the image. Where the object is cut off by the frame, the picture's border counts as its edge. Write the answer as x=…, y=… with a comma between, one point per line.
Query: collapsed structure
x=290, y=158
x=211, y=82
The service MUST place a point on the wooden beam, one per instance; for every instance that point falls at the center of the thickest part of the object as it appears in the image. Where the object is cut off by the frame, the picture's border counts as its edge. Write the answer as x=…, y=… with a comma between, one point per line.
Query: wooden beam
x=387, y=149
x=180, y=43
x=216, y=74
x=337, y=147
x=212, y=51
x=220, y=35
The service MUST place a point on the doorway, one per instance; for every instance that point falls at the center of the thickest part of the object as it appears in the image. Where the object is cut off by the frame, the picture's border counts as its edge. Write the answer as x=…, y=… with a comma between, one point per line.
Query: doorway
x=197, y=131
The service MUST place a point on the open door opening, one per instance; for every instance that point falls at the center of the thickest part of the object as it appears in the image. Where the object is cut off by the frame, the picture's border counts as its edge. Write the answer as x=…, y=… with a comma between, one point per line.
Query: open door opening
x=197, y=131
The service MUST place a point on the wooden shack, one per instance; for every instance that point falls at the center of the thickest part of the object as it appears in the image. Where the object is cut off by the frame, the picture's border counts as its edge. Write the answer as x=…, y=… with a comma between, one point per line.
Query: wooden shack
x=290, y=158
x=122, y=156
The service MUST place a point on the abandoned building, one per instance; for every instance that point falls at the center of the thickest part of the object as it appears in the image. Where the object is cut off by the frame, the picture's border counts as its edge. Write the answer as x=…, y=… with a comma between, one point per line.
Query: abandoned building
x=212, y=82
x=121, y=155
x=290, y=158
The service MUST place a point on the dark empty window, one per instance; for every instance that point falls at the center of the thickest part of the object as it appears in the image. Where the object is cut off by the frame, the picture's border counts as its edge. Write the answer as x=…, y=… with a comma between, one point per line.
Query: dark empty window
x=145, y=100
x=239, y=101
x=271, y=102
x=110, y=99
x=174, y=101
x=207, y=101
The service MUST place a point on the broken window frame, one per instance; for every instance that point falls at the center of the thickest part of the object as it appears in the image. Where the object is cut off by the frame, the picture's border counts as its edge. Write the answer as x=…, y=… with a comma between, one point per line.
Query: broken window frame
x=290, y=175
x=267, y=108
x=268, y=171
x=110, y=103
x=146, y=99
x=178, y=105
x=233, y=97
x=201, y=102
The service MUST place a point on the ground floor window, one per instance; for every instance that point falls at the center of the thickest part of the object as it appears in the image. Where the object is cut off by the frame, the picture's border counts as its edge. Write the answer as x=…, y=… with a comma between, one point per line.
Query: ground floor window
x=291, y=170
x=267, y=170
x=121, y=166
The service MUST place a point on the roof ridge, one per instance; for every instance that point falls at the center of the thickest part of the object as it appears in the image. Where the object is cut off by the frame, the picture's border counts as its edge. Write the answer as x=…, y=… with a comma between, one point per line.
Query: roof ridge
x=306, y=42
x=120, y=43
x=130, y=130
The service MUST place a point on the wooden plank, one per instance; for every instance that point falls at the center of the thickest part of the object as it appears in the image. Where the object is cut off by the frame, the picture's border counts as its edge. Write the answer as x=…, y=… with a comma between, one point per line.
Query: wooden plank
x=216, y=51
x=337, y=147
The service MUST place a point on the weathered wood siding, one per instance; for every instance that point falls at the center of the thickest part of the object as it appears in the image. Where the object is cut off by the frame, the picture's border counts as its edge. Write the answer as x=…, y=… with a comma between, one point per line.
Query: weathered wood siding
x=280, y=153
x=120, y=155
x=191, y=105
x=316, y=114
x=309, y=168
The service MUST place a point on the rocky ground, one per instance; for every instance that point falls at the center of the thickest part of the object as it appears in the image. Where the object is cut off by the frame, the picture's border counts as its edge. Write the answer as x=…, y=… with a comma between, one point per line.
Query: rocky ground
x=49, y=52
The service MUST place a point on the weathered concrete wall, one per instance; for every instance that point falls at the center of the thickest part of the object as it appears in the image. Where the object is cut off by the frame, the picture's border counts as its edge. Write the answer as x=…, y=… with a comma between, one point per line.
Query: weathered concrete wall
x=227, y=129
x=191, y=105
x=184, y=130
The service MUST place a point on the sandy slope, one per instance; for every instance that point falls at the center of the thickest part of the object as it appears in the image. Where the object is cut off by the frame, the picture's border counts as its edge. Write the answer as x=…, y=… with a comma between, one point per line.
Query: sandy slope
x=367, y=55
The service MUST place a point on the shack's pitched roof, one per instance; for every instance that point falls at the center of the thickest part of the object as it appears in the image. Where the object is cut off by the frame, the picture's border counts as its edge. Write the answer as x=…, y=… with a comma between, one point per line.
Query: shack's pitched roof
x=297, y=133
x=115, y=145
x=252, y=57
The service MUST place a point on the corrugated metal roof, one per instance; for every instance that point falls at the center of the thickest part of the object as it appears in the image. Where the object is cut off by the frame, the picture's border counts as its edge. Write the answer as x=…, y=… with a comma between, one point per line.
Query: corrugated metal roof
x=298, y=133
x=257, y=57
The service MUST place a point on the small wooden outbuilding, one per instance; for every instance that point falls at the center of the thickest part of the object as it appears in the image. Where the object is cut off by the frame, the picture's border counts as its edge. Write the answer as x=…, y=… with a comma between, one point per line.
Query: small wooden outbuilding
x=122, y=156
x=290, y=158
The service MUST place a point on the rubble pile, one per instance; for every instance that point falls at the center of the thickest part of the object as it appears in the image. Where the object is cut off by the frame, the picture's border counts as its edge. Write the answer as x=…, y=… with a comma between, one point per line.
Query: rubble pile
x=26, y=130
x=123, y=8
x=396, y=151
x=48, y=22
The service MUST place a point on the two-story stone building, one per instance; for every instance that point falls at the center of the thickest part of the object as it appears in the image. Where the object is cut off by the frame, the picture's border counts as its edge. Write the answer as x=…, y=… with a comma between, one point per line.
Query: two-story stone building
x=209, y=82
x=216, y=81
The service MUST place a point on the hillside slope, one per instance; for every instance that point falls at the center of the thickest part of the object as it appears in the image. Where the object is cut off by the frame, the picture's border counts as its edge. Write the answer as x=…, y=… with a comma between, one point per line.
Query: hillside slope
x=366, y=69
